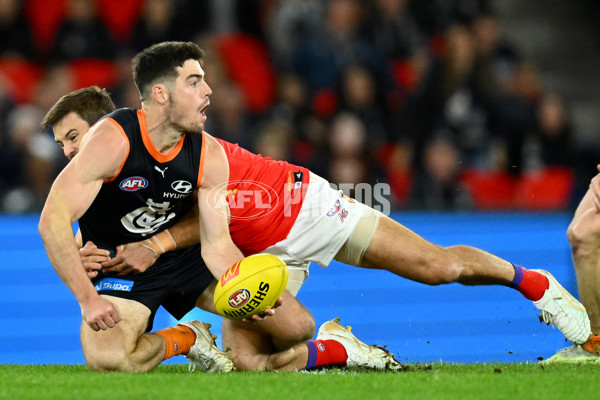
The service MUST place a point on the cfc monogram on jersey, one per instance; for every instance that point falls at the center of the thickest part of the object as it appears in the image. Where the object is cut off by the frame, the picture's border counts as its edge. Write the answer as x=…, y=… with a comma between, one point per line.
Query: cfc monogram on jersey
x=150, y=193
x=148, y=219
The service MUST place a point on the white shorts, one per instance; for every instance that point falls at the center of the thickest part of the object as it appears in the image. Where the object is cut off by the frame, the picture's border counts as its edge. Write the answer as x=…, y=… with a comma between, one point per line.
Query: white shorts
x=326, y=220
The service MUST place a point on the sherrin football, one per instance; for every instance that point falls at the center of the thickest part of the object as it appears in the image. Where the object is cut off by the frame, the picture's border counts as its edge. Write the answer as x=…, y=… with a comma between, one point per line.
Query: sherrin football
x=250, y=286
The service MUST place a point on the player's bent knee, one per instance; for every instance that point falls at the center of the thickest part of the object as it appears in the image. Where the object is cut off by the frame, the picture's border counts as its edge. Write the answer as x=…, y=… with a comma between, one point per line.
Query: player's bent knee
x=248, y=361
x=574, y=233
x=300, y=332
x=574, y=236
x=101, y=352
x=585, y=229
x=584, y=237
x=109, y=361
x=116, y=363
x=293, y=324
x=244, y=364
x=308, y=331
x=284, y=336
x=580, y=233
x=106, y=357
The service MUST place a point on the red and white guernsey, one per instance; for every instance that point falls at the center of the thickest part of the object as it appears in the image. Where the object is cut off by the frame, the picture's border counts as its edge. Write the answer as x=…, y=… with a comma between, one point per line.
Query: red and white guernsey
x=265, y=197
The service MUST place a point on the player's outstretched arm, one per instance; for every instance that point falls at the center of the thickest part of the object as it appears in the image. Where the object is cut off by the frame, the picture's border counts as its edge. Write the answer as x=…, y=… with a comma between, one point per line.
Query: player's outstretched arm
x=218, y=250
x=71, y=194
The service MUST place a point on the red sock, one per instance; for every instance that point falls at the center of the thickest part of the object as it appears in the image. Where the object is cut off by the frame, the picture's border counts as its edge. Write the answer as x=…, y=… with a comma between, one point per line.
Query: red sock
x=530, y=284
x=179, y=340
x=325, y=352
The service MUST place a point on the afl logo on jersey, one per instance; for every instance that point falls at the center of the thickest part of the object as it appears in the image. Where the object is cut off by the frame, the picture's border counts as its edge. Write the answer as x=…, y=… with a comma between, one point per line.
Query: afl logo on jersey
x=182, y=186
x=133, y=183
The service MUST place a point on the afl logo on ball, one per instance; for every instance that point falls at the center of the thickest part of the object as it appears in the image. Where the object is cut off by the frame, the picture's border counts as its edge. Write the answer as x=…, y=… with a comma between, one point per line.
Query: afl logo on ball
x=133, y=183
x=239, y=298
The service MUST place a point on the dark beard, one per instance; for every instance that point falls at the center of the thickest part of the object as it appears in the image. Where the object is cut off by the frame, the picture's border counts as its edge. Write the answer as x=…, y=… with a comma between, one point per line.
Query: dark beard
x=188, y=131
x=181, y=128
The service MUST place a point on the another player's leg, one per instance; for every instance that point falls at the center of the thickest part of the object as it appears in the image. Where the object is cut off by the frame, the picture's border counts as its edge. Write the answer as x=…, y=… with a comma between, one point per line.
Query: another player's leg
x=584, y=237
x=127, y=347
x=282, y=342
x=252, y=344
x=252, y=349
x=403, y=252
x=359, y=354
x=335, y=346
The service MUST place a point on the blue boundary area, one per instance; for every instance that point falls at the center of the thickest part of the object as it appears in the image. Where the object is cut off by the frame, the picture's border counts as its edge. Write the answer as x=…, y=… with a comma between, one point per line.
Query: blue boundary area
x=40, y=318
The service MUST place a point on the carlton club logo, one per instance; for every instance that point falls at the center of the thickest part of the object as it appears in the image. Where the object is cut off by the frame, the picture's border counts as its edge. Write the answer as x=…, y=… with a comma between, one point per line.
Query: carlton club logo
x=239, y=298
x=245, y=199
x=133, y=183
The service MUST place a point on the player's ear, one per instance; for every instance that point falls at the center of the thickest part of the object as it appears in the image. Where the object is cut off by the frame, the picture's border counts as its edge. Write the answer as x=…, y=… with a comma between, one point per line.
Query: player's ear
x=160, y=93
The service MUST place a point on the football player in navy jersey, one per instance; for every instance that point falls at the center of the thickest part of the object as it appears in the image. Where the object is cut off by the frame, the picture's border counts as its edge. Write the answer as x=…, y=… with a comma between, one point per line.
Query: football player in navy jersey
x=118, y=311
x=127, y=307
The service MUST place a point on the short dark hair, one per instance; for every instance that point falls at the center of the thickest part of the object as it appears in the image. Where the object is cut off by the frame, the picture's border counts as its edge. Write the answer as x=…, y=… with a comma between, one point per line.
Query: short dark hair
x=90, y=103
x=159, y=62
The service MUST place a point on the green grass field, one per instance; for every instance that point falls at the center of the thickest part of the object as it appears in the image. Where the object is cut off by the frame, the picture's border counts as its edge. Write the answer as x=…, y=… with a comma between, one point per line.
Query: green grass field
x=427, y=382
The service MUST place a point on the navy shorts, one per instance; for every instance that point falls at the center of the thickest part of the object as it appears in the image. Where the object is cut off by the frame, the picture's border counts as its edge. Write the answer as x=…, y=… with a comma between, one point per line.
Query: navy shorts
x=175, y=282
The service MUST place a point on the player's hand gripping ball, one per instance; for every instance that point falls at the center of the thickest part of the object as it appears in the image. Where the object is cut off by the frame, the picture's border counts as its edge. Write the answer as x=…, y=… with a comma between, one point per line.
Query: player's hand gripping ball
x=250, y=286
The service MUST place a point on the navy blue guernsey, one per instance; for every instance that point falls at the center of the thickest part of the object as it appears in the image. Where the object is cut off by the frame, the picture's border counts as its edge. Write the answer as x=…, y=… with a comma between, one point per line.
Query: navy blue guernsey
x=151, y=192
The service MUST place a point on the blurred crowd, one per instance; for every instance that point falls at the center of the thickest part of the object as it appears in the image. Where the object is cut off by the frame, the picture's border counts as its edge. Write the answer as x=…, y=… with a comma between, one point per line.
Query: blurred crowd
x=427, y=96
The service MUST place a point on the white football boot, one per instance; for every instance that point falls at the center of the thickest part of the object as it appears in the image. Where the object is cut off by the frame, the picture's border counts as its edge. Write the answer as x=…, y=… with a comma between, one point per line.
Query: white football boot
x=360, y=355
x=205, y=354
x=575, y=354
x=564, y=311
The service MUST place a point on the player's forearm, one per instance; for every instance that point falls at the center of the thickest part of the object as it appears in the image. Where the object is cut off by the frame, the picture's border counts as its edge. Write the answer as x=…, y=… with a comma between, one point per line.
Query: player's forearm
x=218, y=250
x=57, y=235
x=186, y=232
x=219, y=258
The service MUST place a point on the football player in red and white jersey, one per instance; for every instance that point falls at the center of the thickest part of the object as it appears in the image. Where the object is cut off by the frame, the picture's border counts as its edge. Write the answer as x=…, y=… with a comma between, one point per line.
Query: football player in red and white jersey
x=301, y=219
x=355, y=234
x=330, y=225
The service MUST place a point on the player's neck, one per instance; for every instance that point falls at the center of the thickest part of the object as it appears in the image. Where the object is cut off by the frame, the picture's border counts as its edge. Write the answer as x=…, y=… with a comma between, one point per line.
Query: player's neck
x=162, y=133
